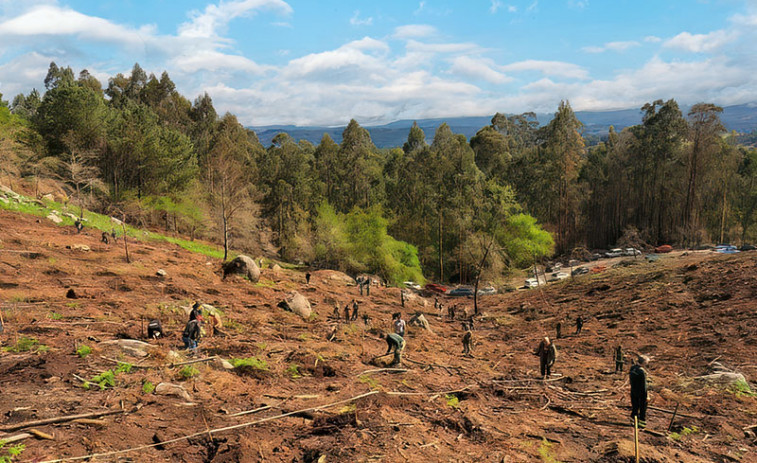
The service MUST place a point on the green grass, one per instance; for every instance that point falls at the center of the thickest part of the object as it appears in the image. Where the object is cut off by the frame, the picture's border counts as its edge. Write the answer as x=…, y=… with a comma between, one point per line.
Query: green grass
x=741, y=388
x=105, y=380
x=684, y=432
x=294, y=371
x=188, y=371
x=25, y=344
x=104, y=223
x=372, y=383
x=55, y=316
x=8, y=454
x=254, y=363
x=148, y=387
x=452, y=401
x=124, y=367
x=545, y=452
x=83, y=351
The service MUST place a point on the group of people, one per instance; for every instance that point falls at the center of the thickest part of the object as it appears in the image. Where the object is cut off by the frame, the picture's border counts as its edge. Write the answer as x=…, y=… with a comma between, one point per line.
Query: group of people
x=199, y=316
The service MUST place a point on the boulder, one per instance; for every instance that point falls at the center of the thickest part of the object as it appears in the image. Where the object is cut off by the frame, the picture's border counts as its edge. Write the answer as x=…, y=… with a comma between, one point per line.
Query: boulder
x=242, y=265
x=131, y=347
x=420, y=321
x=175, y=390
x=221, y=364
x=161, y=273
x=48, y=197
x=722, y=376
x=116, y=221
x=80, y=247
x=334, y=276
x=276, y=268
x=297, y=303
x=54, y=218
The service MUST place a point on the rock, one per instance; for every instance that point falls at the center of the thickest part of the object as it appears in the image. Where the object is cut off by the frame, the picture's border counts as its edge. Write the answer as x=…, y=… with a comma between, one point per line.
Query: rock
x=161, y=273
x=276, y=268
x=722, y=376
x=48, y=197
x=116, y=221
x=173, y=356
x=131, y=347
x=333, y=275
x=174, y=390
x=242, y=265
x=71, y=294
x=80, y=247
x=297, y=303
x=73, y=217
x=419, y=320
x=221, y=364
x=54, y=218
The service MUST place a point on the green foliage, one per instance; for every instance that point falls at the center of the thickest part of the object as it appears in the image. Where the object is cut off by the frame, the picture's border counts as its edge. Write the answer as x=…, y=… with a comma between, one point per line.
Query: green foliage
x=83, y=351
x=105, y=380
x=148, y=387
x=293, y=370
x=741, y=388
x=26, y=344
x=8, y=454
x=188, y=371
x=370, y=381
x=55, y=316
x=524, y=240
x=452, y=401
x=253, y=363
x=358, y=241
x=124, y=367
x=545, y=452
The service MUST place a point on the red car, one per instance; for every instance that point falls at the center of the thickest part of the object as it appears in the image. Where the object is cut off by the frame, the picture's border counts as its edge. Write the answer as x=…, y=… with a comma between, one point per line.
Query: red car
x=435, y=288
x=663, y=249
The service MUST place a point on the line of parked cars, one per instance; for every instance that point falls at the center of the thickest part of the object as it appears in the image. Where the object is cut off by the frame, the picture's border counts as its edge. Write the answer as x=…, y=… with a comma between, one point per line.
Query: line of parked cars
x=460, y=291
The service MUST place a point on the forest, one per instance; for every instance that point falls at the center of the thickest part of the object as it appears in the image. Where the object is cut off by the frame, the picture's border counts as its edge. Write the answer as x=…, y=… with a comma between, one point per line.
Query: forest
x=440, y=207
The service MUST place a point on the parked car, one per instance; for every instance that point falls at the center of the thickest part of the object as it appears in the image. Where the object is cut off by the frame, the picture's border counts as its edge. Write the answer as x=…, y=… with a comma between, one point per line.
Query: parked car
x=553, y=267
x=580, y=271
x=747, y=247
x=665, y=248
x=617, y=252
x=531, y=283
x=461, y=291
x=435, y=288
x=557, y=276
x=726, y=249
x=595, y=256
x=488, y=291
x=631, y=252
x=412, y=285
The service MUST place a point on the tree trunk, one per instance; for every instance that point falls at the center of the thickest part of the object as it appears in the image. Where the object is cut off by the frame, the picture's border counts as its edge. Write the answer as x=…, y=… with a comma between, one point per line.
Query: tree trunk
x=441, y=250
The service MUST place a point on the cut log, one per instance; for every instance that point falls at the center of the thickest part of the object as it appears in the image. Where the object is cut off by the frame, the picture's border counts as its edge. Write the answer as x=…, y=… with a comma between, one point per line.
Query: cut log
x=59, y=419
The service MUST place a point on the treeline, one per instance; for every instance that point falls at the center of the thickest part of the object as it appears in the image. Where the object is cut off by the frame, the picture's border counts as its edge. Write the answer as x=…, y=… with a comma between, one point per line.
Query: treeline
x=450, y=209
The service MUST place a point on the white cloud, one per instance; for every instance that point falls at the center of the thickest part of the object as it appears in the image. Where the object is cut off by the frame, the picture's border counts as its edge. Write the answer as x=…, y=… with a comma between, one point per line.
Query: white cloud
x=467, y=47
x=209, y=23
x=210, y=60
x=612, y=46
x=549, y=68
x=495, y=6
x=414, y=31
x=355, y=20
x=580, y=4
x=700, y=43
x=480, y=68
x=652, y=39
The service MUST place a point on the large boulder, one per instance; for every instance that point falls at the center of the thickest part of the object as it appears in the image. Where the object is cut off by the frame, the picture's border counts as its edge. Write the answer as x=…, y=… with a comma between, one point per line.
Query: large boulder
x=722, y=376
x=174, y=390
x=132, y=347
x=297, y=303
x=242, y=265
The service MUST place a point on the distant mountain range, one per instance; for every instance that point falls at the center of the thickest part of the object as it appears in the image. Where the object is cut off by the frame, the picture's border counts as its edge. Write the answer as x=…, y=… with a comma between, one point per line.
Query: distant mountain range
x=741, y=118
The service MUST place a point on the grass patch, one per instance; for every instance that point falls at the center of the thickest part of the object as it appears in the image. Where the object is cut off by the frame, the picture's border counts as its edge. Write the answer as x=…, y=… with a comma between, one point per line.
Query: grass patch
x=148, y=387
x=83, y=351
x=124, y=367
x=253, y=363
x=545, y=452
x=677, y=436
x=372, y=383
x=265, y=284
x=26, y=344
x=294, y=371
x=104, y=223
x=452, y=401
x=72, y=305
x=55, y=316
x=188, y=371
x=105, y=380
x=741, y=388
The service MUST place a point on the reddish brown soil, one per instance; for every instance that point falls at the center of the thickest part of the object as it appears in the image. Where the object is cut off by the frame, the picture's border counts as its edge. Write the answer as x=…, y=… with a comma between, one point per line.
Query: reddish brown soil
x=684, y=311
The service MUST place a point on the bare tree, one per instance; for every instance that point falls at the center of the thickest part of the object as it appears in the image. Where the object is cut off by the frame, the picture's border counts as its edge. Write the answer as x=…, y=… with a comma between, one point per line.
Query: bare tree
x=230, y=193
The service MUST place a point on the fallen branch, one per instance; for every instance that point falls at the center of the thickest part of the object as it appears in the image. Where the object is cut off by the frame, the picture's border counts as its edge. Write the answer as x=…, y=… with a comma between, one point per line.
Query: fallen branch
x=548, y=439
x=189, y=362
x=428, y=393
x=249, y=412
x=16, y=438
x=671, y=412
x=41, y=435
x=59, y=419
x=388, y=370
x=211, y=431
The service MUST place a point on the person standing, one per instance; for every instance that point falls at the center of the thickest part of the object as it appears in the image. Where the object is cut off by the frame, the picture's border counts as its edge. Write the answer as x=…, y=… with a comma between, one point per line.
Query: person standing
x=558, y=328
x=579, y=325
x=399, y=324
x=618, y=359
x=547, y=353
x=638, y=379
x=307, y=278
x=191, y=335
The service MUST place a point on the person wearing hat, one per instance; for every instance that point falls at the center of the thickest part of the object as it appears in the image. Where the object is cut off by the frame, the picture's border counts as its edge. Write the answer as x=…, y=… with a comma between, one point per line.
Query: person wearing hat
x=638, y=379
x=547, y=353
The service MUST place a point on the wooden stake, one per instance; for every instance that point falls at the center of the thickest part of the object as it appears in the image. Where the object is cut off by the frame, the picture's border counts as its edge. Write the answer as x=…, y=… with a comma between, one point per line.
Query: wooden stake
x=636, y=437
x=670, y=426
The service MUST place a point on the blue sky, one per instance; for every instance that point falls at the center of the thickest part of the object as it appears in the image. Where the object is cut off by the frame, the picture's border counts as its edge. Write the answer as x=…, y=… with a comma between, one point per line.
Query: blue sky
x=323, y=62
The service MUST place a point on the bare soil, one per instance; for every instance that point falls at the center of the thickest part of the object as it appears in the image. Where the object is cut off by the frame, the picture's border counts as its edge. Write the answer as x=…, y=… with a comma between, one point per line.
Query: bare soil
x=684, y=311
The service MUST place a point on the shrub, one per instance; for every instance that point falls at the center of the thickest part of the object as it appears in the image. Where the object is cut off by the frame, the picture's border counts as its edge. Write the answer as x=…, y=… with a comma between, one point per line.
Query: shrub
x=105, y=379
x=188, y=371
x=124, y=367
x=148, y=387
x=253, y=363
x=83, y=351
x=26, y=344
x=8, y=454
x=294, y=371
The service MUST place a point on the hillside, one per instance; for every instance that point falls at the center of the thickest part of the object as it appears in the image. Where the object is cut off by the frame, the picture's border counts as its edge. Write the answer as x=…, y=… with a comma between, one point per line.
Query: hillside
x=684, y=310
x=741, y=118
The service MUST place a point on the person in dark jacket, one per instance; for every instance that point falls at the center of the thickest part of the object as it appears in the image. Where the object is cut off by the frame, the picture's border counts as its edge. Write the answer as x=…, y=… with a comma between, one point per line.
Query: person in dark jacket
x=196, y=311
x=307, y=278
x=558, y=328
x=155, y=329
x=397, y=343
x=638, y=379
x=191, y=335
x=547, y=353
x=618, y=359
x=579, y=325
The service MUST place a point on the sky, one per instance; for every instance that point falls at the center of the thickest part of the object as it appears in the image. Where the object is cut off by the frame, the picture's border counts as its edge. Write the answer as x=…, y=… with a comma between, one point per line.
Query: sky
x=324, y=62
